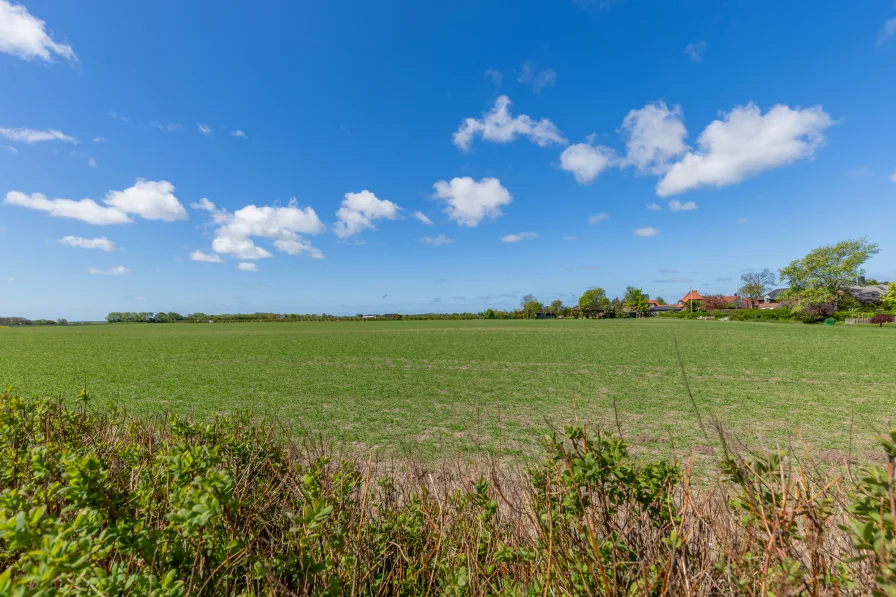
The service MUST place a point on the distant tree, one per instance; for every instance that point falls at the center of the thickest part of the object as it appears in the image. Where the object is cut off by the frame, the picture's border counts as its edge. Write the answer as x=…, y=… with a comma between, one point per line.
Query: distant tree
x=160, y=317
x=489, y=314
x=755, y=285
x=882, y=318
x=712, y=302
x=823, y=275
x=172, y=316
x=565, y=311
x=531, y=308
x=556, y=306
x=635, y=300
x=526, y=299
x=889, y=299
x=660, y=300
x=594, y=299
x=62, y=321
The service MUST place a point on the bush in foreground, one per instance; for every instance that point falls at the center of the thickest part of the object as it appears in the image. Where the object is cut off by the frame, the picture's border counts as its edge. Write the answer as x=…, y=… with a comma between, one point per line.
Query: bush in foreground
x=104, y=503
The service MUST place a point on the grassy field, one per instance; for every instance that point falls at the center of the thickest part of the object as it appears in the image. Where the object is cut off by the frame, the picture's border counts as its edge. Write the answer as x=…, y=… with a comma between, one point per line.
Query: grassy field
x=444, y=388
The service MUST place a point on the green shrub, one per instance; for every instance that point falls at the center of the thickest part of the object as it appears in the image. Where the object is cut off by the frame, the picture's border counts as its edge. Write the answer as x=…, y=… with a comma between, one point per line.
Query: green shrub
x=105, y=503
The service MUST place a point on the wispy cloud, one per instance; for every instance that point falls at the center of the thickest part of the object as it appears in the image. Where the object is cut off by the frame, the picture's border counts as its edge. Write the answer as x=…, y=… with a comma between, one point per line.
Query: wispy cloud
x=30, y=136
x=11, y=149
x=247, y=266
x=118, y=270
x=99, y=139
x=515, y=238
x=648, y=231
x=597, y=218
x=654, y=207
x=695, y=51
x=672, y=281
x=537, y=78
x=495, y=77
x=92, y=163
x=742, y=220
x=419, y=215
x=239, y=133
x=570, y=239
x=171, y=127
x=438, y=241
x=676, y=205
x=887, y=31
x=204, y=129
x=102, y=243
x=203, y=257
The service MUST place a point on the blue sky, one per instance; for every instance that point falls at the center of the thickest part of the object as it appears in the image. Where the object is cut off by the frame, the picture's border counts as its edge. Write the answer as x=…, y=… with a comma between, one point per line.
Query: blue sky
x=316, y=131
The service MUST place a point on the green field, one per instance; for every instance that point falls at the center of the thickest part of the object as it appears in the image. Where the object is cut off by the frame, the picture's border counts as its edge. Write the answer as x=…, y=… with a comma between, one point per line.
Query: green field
x=444, y=388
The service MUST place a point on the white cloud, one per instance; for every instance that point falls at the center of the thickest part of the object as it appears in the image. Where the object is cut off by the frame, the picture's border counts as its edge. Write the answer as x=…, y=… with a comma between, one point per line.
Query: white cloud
x=170, y=127
x=695, y=51
x=25, y=36
x=742, y=220
x=247, y=267
x=22, y=135
x=470, y=202
x=499, y=126
x=148, y=199
x=893, y=176
x=99, y=139
x=102, y=243
x=495, y=77
x=515, y=238
x=283, y=225
x=11, y=149
x=586, y=161
x=438, y=241
x=198, y=255
x=118, y=270
x=676, y=205
x=649, y=231
x=654, y=207
x=745, y=143
x=239, y=133
x=597, y=218
x=422, y=217
x=887, y=31
x=537, y=78
x=92, y=163
x=655, y=135
x=296, y=246
x=86, y=210
x=204, y=129
x=570, y=239
x=358, y=210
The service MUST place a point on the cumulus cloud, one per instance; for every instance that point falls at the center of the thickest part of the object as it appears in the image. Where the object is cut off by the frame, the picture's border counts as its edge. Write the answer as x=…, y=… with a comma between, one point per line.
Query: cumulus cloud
x=419, y=215
x=469, y=202
x=887, y=30
x=745, y=143
x=515, y=238
x=247, y=266
x=198, y=255
x=597, y=218
x=282, y=225
x=149, y=199
x=438, y=241
x=695, y=51
x=23, y=135
x=118, y=270
x=498, y=126
x=204, y=129
x=86, y=210
x=537, y=78
x=676, y=205
x=25, y=36
x=649, y=231
x=655, y=135
x=654, y=207
x=586, y=161
x=358, y=210
x=102, y=243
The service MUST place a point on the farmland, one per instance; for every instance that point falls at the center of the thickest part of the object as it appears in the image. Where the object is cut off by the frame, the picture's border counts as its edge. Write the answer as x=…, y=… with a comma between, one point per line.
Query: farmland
x=451, y=388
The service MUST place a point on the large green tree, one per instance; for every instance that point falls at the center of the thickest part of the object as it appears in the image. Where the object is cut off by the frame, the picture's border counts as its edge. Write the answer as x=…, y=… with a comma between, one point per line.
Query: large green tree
x=889, y=299
x=594, y=299
x=635, y=300
x=823, y=275
x=755, y=285
x=532, y=307
x=556, y=306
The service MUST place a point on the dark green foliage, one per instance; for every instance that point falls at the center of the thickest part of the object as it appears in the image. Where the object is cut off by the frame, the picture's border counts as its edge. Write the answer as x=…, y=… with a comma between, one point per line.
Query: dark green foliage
x=815, y=313
x=103, y=503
